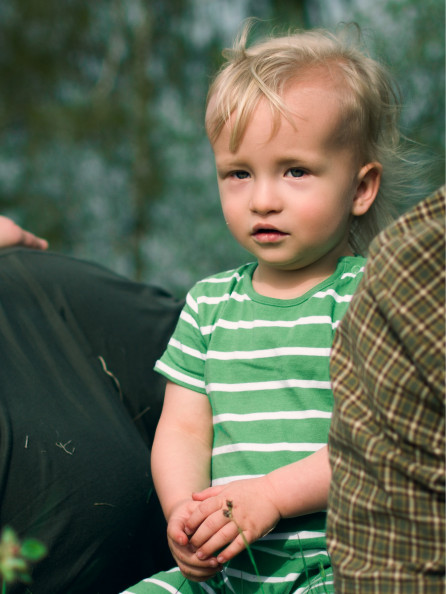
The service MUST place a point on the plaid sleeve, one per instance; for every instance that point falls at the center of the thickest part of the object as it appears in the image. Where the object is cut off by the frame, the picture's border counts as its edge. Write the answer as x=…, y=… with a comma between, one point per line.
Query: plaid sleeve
x=386, y=515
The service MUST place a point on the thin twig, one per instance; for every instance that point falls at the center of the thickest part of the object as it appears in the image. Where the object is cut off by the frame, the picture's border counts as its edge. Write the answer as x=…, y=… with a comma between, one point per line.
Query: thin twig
x=228, y=514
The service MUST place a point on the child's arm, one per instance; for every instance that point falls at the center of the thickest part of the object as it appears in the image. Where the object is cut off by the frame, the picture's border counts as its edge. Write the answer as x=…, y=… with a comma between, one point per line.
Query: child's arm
x=181, y=456
x=257, y=505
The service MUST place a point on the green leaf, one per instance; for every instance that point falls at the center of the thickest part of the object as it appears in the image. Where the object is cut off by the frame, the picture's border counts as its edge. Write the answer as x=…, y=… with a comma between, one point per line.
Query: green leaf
x=33, y=549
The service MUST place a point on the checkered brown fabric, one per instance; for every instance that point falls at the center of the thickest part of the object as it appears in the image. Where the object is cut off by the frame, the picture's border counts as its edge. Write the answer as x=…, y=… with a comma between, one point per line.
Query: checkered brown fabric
x=386, y=517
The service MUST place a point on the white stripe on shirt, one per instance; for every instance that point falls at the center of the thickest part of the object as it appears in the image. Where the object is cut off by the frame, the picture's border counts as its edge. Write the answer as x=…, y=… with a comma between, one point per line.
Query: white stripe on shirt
x=249, y=325
x=264, y=353
x=332, y=293
x=292, y=415
x=221, y=298
x=272, y=385
x=267, y=447
x=182, y=377
x=187, y=350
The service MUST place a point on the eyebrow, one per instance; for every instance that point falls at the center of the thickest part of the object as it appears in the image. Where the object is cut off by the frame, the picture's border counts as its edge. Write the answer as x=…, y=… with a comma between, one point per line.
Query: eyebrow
x=232, y=164
x=240, y=163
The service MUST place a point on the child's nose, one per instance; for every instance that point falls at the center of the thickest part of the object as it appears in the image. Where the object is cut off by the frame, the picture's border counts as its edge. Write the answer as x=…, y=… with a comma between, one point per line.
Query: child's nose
x=265, y=198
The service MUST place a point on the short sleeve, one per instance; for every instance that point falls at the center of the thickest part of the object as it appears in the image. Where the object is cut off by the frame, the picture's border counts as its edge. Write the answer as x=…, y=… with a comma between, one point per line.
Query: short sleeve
x=183, y=361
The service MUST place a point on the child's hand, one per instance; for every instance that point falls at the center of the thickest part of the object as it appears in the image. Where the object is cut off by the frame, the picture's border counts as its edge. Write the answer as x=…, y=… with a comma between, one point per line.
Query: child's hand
x=247, y=506
x=183, y=551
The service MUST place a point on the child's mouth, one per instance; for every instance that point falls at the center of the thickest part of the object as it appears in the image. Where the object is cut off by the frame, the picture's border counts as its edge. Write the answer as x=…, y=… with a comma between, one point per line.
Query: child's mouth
x=268, y=234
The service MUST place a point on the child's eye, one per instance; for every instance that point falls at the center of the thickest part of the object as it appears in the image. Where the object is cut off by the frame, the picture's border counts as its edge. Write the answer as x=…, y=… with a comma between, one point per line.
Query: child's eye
x=240, y=174
x=295, y=172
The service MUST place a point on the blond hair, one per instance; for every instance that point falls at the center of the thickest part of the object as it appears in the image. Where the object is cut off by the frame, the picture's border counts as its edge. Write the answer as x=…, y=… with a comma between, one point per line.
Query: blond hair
x=369, y=101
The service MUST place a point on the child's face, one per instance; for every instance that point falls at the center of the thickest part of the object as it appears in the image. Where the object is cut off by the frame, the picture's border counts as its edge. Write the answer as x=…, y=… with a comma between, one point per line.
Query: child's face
x=289, y=198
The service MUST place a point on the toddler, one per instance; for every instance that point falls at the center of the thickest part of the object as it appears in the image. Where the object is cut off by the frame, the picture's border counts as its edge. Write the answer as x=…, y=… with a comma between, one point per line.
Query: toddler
x=303, y=128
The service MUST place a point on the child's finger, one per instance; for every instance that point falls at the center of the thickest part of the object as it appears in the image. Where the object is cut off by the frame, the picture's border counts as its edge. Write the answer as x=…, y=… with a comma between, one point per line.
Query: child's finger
x=197, y=570
x=206, y=493
x=190, y=565
x=234, y=548
x=201, y=513
x=207, y=527
x=175, y=531
x=199, y=574
x=217, y=540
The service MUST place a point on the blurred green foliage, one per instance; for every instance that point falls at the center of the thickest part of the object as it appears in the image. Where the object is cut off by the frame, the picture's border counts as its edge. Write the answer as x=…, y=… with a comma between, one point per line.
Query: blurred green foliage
x=16, y=557
x=102, y=144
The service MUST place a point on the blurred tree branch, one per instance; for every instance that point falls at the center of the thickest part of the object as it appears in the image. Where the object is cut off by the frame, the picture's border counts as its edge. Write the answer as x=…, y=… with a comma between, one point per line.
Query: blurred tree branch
x=145, y=178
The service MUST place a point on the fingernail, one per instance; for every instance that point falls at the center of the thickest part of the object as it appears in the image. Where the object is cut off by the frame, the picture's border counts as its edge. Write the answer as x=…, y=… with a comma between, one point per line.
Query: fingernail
x=188, y=531
x=200, y=555
x=220, y=559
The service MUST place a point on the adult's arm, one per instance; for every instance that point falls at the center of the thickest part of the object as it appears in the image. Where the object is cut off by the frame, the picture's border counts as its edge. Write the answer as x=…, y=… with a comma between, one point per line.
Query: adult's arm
x=122, y=325
x=77, y=345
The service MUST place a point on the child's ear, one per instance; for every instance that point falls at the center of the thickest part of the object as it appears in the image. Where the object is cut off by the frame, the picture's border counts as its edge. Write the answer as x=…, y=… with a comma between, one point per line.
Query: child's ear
x=369, y=179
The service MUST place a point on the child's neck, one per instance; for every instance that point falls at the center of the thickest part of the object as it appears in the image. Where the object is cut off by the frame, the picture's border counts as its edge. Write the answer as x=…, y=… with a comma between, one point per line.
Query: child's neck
x=290, y=284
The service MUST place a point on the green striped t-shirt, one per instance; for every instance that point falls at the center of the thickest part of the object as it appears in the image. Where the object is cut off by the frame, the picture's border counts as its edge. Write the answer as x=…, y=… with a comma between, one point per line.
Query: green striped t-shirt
x=264, y=365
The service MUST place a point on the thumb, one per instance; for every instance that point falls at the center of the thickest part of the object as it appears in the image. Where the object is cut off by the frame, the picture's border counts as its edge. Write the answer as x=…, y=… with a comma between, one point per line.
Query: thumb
x=175, y=531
